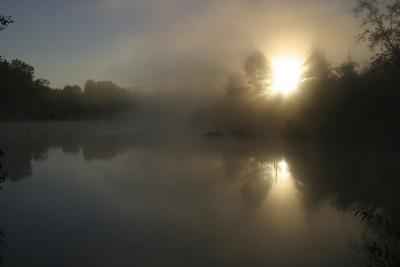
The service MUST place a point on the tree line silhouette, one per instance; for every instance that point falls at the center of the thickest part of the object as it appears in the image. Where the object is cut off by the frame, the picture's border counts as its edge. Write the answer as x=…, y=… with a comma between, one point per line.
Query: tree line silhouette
x=348, y=102
x=25, y=97
x=22, y=96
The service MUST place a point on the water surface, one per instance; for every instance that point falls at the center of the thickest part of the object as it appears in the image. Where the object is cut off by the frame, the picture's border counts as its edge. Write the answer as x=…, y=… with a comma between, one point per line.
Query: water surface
x=104, y=194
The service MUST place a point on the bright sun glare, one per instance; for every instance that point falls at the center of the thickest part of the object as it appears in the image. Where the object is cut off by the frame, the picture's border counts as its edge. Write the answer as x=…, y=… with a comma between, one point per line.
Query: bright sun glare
x=286, y=74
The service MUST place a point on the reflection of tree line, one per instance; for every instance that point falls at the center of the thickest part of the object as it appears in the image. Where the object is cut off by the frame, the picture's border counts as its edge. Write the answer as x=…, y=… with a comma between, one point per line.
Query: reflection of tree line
x=381, y=240
x=356, y=178
x=2, y=179
x=344, y=175
x=24, y=143
x=347, y=177
x=257, y=182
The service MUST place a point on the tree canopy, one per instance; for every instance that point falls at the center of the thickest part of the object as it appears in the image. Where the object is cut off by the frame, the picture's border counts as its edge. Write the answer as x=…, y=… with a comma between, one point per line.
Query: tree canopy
x=380, y=28
x=5, y=21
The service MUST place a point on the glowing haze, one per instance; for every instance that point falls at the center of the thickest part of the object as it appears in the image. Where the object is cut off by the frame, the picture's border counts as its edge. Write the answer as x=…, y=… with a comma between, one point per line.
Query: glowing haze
x=286, y=74
x=170, y=44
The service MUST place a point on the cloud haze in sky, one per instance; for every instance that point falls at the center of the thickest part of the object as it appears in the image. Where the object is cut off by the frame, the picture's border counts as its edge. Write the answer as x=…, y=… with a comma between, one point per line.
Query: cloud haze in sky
x=170, y=44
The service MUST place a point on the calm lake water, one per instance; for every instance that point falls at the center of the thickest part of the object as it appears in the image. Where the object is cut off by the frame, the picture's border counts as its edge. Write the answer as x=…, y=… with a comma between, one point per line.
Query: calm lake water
x=104, y=194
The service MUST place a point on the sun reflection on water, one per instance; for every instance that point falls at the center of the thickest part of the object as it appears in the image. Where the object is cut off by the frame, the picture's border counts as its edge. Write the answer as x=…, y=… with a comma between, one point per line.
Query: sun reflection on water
x=268, y=182
x=272, y=187
x=283, y=169
x=283, y=188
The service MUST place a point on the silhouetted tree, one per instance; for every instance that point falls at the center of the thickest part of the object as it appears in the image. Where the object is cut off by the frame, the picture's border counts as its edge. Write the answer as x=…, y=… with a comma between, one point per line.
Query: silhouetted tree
x=22, y=68
x=72, y=90
x=236, y=86
x=105, y=98
x=317, y=66
x=347, y=71
x=258, y=72
x=5, y=21
x=248, y=106
x=381, y=28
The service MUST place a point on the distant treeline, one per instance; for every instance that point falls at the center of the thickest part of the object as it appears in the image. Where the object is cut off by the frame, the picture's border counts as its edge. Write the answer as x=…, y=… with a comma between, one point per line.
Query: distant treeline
x=345, y=102
x=23, y=97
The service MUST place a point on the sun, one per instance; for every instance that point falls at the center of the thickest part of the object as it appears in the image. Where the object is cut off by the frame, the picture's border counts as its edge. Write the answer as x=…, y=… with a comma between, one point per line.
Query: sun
x=286, y=74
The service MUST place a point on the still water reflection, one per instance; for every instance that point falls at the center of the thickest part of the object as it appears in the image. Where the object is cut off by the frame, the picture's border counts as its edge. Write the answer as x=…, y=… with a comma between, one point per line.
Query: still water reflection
x=100, y=194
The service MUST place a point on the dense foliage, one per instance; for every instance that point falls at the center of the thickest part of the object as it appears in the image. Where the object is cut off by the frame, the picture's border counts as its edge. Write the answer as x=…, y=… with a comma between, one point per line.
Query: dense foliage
x=22, y=96
x=5, y=21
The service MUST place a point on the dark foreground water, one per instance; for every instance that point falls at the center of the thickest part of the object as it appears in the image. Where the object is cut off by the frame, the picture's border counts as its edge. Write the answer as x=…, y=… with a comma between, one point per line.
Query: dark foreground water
x=101, y=194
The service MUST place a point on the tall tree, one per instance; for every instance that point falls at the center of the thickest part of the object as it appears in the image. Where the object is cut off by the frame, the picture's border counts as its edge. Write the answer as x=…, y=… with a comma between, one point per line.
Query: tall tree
x=381, y=28
x=258, y=72
x=317, y=66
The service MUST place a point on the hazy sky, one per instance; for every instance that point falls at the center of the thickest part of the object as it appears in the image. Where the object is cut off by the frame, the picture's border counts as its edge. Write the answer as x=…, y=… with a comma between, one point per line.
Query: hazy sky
x=169, y=43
